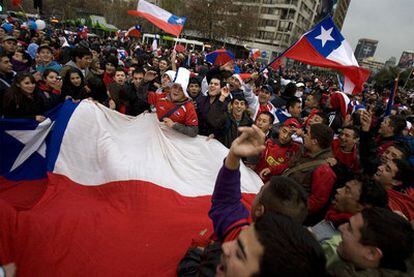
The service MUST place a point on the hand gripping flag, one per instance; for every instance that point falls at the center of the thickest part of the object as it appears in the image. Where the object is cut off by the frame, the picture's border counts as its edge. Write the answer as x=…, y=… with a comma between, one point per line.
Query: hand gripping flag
x=163, y=19
x=325, y=46
x=115, y=195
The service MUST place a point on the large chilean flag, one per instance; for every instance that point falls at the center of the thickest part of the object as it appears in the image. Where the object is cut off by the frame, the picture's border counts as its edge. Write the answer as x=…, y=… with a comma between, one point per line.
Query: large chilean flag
x=161, y=18
x=91, y=192
x=325, y=46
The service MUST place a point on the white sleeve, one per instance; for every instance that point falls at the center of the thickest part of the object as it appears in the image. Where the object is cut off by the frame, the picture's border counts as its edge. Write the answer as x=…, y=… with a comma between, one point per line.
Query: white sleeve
x=251, y=98
x=204, y=87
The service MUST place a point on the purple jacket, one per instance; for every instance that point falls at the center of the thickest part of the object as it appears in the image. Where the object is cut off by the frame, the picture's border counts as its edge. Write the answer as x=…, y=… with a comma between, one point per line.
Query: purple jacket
x=227, y=211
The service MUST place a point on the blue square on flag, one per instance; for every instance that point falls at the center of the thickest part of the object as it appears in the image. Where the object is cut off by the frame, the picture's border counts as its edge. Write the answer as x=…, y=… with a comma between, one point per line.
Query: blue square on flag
x=176, y=20
x=325, y=37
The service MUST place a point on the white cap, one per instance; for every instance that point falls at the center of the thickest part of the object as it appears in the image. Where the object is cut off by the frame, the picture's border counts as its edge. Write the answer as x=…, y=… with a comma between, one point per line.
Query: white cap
x=182, y=78
x=237, y=76
x=170, y=73
x=298, y=85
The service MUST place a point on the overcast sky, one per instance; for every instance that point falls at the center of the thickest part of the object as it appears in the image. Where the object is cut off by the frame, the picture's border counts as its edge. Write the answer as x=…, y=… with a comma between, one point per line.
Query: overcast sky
x=391, y=22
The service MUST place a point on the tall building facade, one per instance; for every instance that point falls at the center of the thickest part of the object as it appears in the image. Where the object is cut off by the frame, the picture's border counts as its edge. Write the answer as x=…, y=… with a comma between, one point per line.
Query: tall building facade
x=280, y=23
x=365, y=48
x=339, y=12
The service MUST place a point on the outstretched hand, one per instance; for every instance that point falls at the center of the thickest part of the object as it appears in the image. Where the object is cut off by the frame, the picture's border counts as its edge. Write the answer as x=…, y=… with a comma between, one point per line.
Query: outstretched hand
x=249, y=143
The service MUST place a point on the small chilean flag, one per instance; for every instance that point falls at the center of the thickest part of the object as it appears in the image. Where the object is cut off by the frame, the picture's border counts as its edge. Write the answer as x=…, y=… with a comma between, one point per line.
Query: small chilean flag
x=254, y=53
x=163, y=19
x=134, y=31
x=325, y=46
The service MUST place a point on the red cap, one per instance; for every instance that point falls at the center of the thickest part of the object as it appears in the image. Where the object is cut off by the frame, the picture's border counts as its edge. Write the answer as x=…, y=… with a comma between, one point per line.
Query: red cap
x=291, y=122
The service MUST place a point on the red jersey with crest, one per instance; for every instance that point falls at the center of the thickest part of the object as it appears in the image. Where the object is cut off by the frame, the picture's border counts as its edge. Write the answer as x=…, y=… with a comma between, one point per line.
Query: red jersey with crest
x=276, y=157
x=185, y=114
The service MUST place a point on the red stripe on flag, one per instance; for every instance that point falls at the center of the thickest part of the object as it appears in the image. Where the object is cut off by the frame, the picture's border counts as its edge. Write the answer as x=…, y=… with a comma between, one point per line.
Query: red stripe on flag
x=22, y=195
x=124, y=228
x=167, y=27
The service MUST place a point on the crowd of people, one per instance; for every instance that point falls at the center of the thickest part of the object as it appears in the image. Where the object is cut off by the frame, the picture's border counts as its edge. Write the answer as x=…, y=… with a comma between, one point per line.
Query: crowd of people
x=338, y=193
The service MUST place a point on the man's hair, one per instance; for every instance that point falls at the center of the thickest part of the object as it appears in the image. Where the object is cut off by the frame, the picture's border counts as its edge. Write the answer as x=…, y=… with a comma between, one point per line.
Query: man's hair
x=80, y=52
x=317, y=96
x=194, y=80
x=217, y=77
x=292, y=102
x=372, y=193
x=289, y=249
x=112, y=60
x=283, y=195
x=48, y=71
x=325, y=119
x=323, y=134
x=403, y=147
x=270, y=115
x=398, y=123
x=164, y=59
x=239, y=98
x=405, y=172
x=119, y=68
x=391, y=233
x=138, y=71
x=354, y=129
x=3, y=54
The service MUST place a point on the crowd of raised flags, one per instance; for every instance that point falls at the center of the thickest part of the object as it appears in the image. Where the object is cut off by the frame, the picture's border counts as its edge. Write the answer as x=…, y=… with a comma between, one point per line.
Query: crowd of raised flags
x=132, y=159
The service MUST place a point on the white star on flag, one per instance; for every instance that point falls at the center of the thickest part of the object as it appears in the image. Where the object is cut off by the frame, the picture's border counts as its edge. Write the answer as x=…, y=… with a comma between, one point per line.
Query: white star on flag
x=325, y=36
x=33, y=140
x=179, y=20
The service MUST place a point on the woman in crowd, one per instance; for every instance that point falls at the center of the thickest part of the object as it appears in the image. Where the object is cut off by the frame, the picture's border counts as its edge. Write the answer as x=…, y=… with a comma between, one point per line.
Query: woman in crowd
x=50, y=87
x=23, y=100
x=74, y=84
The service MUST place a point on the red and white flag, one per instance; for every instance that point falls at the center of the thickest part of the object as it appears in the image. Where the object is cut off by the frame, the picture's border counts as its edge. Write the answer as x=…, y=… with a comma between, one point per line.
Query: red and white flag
x=123, y=196
x=254, y=53
x=161, y=18
x=325, y=46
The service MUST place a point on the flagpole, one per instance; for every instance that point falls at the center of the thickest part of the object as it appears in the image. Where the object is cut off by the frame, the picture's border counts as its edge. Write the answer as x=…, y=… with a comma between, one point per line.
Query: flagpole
x=176, y=41
x=408, y=78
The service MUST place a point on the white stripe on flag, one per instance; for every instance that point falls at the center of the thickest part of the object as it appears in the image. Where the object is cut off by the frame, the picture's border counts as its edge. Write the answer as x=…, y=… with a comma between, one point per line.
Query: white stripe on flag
x=145, y=7
x=111, y=147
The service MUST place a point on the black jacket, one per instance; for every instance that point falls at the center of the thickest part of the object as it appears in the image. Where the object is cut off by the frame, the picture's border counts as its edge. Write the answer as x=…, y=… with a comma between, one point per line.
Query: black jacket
x=225, y=125
x=137, y=98
x=24, y=107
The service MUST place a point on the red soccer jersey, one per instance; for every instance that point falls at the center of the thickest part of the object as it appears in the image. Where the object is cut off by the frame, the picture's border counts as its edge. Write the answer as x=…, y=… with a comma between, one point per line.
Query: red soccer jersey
x=348, y=159
x=276, y=157
x=185, y=114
